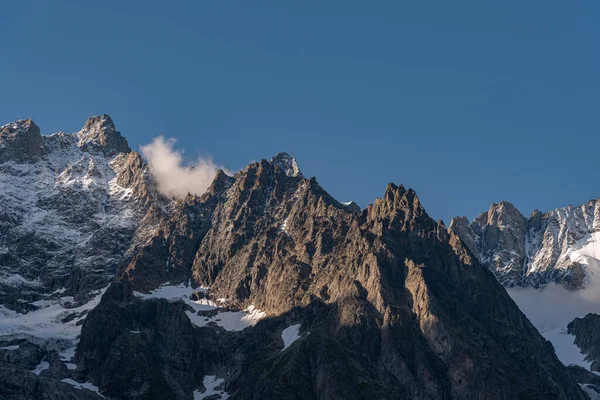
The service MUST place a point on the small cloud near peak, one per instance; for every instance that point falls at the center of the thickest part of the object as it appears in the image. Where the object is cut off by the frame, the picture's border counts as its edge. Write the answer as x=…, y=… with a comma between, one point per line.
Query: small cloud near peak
x=173, y=177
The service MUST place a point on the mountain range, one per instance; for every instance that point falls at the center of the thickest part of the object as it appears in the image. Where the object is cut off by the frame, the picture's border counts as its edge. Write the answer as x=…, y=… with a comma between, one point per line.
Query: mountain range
x=266, y=287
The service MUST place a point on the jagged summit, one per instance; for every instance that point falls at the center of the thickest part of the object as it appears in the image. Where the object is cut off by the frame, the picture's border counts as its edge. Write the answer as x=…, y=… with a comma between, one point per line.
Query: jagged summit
x=65, y=208
x=21, y=141
x=101, y=131
x=556, y=246
x=17, y=126
x=220, y=182
x=287, y=163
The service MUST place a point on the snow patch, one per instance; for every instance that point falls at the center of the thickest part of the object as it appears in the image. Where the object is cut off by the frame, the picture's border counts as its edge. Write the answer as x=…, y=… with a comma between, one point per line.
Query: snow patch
x=170, y=292
x=10, y=348
x=283, y=227
x=211, y=383
x=59, y=291
x=229, y=320
x=84, y=385
x=43, y=365
x=290, y=335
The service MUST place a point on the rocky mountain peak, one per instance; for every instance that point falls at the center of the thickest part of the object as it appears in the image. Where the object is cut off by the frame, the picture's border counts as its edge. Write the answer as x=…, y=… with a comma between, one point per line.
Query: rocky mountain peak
x=21, y=141
x=287, y=164
x=221, y=182
x=458, y=223
x=497, y=239
x=504, y=213
x=402, y=210
x=100, y=131
x=18, y=127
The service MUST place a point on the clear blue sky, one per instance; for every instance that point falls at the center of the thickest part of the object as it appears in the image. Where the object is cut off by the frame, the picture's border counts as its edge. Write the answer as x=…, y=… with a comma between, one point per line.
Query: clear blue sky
x=468, y=102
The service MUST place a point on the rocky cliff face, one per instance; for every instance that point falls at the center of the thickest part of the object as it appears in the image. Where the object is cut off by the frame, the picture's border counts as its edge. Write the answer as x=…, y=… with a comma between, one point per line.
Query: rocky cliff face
x=558, y=246
x=265, y=287
x=381, y=304
x=587, y=337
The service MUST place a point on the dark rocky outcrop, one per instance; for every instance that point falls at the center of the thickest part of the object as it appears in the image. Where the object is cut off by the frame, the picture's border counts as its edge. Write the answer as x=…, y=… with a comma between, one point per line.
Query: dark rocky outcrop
x=148, y=349
x=19, y=384
x=587, y=337
x=18, y=358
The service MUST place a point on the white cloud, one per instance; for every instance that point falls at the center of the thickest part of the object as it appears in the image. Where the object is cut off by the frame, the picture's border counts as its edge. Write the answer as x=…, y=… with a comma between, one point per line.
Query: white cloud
x=555, y=306
x=173, y=177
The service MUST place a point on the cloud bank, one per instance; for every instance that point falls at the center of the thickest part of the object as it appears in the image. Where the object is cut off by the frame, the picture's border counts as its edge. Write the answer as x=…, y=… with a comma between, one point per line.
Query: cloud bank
x=555, y=306
x=173, y=177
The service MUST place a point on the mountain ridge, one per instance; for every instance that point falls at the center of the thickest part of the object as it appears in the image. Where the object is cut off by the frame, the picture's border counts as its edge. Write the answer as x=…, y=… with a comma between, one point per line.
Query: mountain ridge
x=385, y=301
x=534, y=251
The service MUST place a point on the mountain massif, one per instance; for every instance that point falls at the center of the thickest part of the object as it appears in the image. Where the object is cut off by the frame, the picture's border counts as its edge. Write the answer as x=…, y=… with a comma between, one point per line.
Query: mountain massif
x=560, y=246
x=264, y=287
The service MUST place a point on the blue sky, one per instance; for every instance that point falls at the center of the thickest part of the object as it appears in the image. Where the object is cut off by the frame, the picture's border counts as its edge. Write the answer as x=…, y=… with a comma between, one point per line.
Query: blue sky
x=467, y=102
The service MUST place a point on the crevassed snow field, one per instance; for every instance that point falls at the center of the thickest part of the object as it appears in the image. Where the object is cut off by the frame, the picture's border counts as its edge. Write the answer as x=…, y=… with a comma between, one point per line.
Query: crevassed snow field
x=45, y=322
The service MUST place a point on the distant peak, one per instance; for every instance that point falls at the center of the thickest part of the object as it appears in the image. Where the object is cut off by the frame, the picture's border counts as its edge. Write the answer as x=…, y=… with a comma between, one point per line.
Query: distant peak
x=504, y=207
x=20, y=126
x=458, y=222
x=103, y=121
x=100, y=131
x=20, y=141
x=392, y=191
x=535, y=213
x=287, y=164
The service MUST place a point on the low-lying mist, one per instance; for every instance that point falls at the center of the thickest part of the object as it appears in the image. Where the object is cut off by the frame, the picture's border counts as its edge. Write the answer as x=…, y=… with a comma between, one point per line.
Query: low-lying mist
x=555, y=306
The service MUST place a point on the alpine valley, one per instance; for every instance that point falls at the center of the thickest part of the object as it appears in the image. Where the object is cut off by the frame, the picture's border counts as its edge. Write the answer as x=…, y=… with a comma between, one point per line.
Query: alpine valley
x=266, y=287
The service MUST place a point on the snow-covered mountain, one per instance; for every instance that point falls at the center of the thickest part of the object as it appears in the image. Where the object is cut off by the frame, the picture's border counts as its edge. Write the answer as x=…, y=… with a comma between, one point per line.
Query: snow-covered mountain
x=73, y=206
x=561, y=245
x=70, y=205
